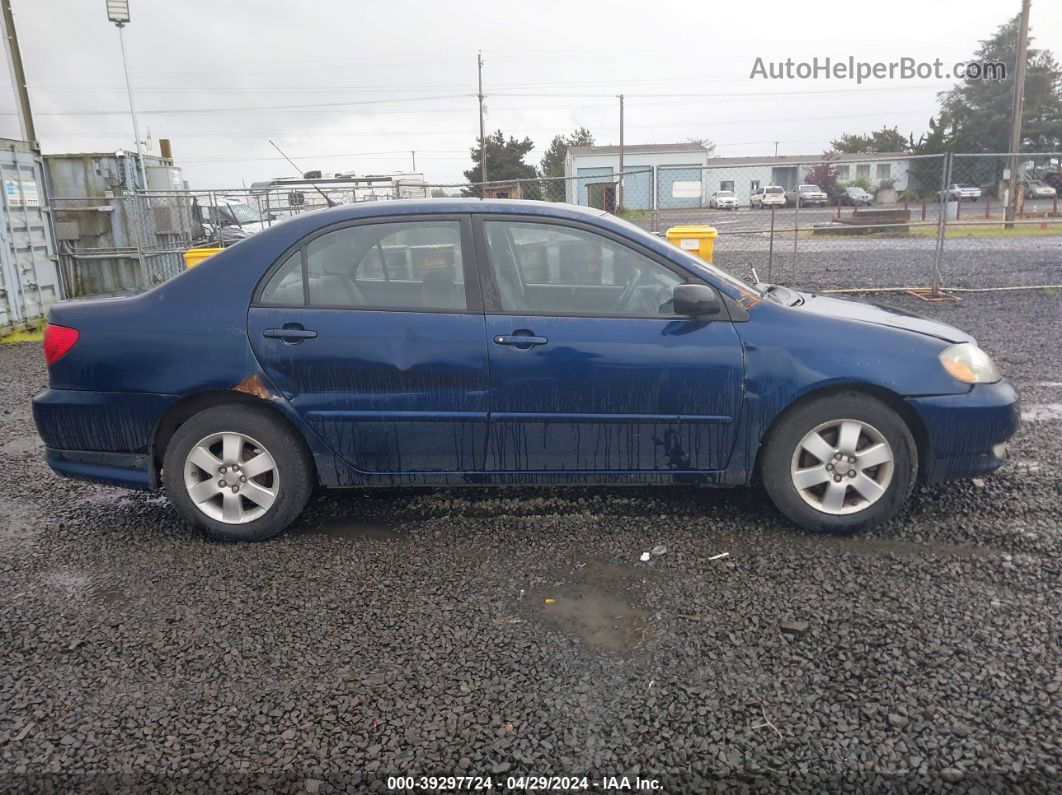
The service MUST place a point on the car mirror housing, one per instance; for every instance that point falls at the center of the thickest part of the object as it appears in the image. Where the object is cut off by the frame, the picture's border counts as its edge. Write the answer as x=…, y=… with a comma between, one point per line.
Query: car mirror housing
x=696, y=300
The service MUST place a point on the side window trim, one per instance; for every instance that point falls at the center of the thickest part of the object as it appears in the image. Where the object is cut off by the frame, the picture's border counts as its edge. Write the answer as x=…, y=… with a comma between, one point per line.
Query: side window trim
x=469, y=264
x=492, y=297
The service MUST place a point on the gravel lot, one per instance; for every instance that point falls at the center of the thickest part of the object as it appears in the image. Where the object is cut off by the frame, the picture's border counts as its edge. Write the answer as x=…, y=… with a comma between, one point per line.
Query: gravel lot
x=409, y=632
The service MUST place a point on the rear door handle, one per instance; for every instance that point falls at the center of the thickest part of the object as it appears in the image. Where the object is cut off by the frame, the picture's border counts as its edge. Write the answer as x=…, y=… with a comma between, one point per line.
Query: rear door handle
x=290, y=334
x=519, y=340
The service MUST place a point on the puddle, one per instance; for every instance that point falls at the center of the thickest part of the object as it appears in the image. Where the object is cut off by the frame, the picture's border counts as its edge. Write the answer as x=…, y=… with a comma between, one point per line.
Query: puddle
x=1039, y=412
x=600, y=621
x=353, y=530
x=69, y=584
x=889, y=546
x=108, y=595
x=590, y=604
x=22, y=444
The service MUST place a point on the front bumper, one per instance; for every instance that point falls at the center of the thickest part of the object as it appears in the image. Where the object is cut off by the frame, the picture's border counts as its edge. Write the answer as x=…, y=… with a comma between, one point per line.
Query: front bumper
x=967, y=432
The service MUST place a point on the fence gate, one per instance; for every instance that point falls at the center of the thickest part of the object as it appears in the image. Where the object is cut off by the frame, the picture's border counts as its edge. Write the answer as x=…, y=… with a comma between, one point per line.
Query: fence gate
x=29, y=276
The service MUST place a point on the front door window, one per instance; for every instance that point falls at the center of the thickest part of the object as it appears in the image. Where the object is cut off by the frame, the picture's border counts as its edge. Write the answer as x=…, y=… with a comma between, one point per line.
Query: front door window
x=559, y=270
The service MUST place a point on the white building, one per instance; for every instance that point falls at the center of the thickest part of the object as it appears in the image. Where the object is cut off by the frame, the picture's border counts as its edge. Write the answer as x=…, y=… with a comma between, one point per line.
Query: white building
x=671, y=176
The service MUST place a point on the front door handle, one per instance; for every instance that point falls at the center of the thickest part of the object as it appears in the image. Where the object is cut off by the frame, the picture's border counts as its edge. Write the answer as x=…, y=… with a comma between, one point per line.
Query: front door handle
x=522, y=341
x=291, y=333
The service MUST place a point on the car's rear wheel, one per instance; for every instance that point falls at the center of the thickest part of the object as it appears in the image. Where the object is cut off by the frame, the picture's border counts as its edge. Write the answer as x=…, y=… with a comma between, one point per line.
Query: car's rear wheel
x=842, y=463
x=238, y=473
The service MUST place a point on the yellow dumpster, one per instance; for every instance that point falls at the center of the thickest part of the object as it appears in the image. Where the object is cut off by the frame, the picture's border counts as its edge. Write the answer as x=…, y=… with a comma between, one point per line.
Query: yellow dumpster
x=194, y=256
x=697, y=239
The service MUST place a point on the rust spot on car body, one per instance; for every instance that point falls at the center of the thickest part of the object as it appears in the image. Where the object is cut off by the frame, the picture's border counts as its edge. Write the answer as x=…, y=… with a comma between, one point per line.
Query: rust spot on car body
x=252, y=385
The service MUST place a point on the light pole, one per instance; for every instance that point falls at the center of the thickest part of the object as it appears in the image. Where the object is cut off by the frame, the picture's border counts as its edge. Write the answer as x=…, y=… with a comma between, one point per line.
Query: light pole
x=118, y=13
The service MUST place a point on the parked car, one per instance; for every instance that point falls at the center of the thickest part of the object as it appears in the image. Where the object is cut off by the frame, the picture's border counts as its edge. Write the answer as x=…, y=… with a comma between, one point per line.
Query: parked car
x=723, y=200
x=1054, y=179
x=960, y=192
x=224, y=221
x=856, y=197
x=767, y=196
x=806, y=196
x=1038, y=189
x=624, y=360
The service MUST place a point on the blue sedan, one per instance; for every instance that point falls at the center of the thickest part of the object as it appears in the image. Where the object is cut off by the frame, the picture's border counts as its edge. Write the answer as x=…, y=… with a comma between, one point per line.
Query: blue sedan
x=504, y=342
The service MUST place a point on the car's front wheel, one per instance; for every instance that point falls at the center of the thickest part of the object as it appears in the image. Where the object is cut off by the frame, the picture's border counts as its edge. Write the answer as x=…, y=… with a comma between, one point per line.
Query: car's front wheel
x=237, y=472
x=842, y=463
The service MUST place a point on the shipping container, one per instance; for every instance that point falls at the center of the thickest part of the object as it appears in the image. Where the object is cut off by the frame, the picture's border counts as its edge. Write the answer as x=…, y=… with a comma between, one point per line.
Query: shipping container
x=29, y=272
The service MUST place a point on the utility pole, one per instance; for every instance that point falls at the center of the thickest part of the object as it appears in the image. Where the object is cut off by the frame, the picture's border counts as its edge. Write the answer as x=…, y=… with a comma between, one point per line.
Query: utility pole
x=1015, y=115
x=776, y=148
x=118, y=13
x=413, y=152
x=18, y=76
x=619, y=186
x=482, y=138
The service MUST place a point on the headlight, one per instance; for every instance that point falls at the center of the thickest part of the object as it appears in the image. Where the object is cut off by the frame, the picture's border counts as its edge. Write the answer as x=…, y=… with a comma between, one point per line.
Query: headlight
x=967, y=363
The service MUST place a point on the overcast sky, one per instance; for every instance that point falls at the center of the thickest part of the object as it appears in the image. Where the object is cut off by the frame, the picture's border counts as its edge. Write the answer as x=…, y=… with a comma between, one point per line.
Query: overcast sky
x=354, y=86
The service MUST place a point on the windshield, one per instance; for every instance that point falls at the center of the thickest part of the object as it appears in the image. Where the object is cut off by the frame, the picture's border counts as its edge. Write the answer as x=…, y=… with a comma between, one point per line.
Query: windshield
x=809, y=188
x=1036, y=183
x=244, y=213
x=725, y=194
x=774, y=190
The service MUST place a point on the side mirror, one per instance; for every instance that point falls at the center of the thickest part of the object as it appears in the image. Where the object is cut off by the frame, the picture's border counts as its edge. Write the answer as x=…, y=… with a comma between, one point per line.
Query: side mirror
x=696, y=300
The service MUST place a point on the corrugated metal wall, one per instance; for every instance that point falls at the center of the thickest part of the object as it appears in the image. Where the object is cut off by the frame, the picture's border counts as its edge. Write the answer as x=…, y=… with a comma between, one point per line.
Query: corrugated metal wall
x=29, y=275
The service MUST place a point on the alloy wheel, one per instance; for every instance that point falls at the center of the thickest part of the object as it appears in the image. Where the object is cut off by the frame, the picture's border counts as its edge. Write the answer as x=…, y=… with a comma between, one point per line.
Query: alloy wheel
x=231, y=478
x=842, y=466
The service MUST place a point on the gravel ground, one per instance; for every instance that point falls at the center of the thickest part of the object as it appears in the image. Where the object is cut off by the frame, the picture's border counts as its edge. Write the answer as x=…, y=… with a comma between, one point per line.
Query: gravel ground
x=409, y=632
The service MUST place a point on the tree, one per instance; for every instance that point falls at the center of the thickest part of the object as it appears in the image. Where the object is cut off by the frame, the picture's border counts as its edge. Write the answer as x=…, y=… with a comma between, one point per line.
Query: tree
x=887, y=139
x=979, y=111
x=823, y=174
x=552, y=165
x=505, y=161
x=705, y=143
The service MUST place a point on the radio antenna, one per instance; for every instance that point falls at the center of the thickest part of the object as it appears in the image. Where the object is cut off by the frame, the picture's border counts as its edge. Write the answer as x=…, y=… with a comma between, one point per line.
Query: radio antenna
x=315, y=185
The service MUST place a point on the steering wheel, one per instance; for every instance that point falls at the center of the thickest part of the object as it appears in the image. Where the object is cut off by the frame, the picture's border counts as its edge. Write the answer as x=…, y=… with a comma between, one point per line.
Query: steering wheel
x=628, y=289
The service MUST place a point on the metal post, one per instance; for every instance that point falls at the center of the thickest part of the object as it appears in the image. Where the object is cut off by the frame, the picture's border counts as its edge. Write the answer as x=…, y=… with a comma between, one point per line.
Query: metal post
x=619, y=187
x=770, y=247
x=132, y=107
x=18, y=75
x=796, y=234
x=482, y=137
x=941, y=222
x=1015, y=114
x=414, y=154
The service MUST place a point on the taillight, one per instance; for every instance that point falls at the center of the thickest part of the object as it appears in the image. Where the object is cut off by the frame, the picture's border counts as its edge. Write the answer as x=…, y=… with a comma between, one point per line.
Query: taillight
x=57, y=341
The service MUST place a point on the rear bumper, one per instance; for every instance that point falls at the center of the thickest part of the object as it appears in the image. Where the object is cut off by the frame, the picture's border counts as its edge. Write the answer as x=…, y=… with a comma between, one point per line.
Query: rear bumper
x=967, y=433
x=129, y=470
x=103, y=437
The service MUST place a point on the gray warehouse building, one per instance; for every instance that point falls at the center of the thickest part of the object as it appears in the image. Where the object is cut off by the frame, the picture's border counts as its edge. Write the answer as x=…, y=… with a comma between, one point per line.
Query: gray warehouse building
x=671, y=176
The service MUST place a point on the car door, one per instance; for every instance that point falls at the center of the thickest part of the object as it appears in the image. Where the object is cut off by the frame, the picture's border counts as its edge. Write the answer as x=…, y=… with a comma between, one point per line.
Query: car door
x=591, y=371
x=375, y=334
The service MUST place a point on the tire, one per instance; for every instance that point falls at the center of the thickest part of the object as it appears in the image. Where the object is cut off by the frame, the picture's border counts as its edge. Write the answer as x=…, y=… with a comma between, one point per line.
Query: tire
x=785, y=459
x=240, y=433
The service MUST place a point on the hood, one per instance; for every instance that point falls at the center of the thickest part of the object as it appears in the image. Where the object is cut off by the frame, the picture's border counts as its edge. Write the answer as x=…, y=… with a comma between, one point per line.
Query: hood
x=881, y=316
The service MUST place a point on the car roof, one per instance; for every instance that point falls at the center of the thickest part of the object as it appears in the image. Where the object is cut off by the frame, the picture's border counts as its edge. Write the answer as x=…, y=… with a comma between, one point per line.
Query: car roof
x=443, y=206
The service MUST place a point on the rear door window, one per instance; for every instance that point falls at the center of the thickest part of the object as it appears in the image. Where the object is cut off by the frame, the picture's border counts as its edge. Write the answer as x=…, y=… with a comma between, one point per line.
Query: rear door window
x=409, y=265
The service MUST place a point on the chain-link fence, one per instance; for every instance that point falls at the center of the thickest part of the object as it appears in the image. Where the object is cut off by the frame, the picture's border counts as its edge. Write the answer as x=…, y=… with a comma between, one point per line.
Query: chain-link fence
x=846, y=221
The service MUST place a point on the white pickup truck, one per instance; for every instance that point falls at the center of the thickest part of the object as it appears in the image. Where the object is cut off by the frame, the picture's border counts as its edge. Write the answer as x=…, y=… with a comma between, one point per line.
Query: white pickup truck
x=807, y=195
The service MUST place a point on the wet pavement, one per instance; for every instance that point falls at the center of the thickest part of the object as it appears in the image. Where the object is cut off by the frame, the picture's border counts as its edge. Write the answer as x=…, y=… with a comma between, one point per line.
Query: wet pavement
x=507, y=632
